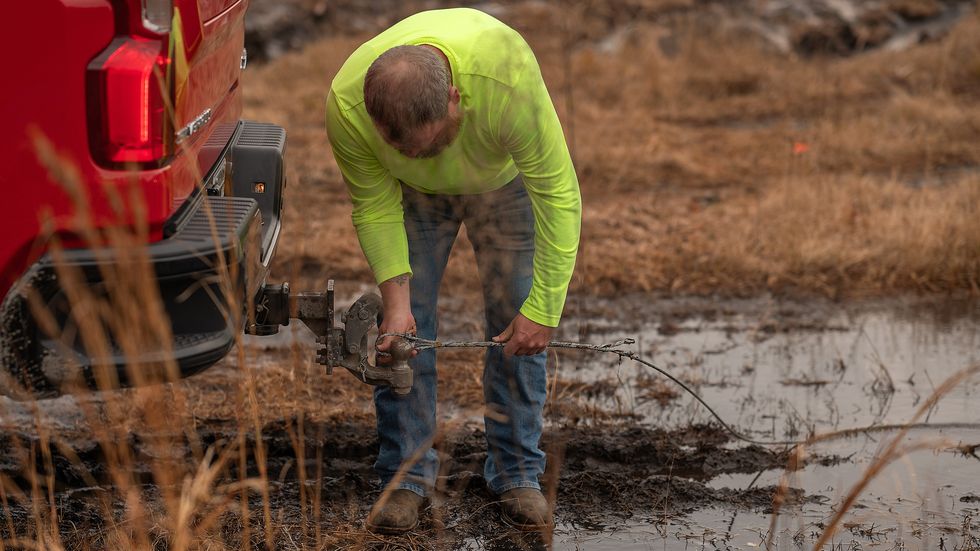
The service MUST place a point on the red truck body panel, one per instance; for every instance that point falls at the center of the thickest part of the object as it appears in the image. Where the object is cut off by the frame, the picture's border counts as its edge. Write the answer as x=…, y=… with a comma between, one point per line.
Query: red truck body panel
x=49, y=48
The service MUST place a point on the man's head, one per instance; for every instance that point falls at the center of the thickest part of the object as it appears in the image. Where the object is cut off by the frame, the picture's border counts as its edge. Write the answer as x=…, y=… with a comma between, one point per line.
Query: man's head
x=409, y=94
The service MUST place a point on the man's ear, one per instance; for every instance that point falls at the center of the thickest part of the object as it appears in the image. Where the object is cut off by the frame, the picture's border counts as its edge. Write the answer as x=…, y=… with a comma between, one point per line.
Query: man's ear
x=453, y=95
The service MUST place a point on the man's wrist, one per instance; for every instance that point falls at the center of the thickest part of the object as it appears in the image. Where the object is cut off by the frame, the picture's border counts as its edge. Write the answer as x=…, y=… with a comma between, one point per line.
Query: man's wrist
x=395, y=294
x=399, y=280
x=538, y=317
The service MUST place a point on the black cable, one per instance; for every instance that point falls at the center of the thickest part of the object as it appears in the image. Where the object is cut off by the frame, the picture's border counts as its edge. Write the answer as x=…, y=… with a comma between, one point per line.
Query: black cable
x=425, y=344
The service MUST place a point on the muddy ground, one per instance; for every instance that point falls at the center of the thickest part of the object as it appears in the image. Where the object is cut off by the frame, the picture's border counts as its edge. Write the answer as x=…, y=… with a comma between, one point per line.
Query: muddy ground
x=606, y=475
x=634, y=462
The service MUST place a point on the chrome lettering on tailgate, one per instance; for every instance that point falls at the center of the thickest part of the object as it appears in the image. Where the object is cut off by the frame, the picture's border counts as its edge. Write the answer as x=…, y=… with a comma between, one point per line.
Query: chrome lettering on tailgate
x=195, y=125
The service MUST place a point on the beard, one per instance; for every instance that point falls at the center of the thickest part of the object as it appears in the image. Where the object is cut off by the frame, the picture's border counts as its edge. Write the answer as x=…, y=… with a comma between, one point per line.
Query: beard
x=445, y=138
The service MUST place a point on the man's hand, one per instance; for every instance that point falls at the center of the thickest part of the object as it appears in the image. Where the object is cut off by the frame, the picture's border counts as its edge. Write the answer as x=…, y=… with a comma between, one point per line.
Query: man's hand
x=400, y=322
x=525, y=337
x=397, y=316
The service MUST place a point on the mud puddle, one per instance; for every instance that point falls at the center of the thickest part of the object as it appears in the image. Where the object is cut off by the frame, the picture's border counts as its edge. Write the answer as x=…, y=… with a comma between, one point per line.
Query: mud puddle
x=785, y=370
x=652, y=472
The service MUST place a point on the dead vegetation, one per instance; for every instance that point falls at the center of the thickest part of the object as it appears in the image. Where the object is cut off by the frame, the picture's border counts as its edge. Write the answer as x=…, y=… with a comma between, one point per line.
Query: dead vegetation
x=709, y=162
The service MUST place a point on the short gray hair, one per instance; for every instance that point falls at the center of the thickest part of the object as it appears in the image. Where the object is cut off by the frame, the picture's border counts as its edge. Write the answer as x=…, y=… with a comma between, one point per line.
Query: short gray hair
x=406, y=88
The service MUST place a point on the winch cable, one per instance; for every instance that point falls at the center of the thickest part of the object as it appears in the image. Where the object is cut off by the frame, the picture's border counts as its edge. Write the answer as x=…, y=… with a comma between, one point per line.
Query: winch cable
x=419, y=343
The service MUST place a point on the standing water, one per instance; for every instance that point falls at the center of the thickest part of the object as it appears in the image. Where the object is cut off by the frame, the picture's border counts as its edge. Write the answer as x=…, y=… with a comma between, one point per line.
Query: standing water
x=787, y=370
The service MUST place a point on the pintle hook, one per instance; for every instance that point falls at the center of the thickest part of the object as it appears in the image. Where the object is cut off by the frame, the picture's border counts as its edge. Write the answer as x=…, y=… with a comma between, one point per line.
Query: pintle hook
x=345, y=346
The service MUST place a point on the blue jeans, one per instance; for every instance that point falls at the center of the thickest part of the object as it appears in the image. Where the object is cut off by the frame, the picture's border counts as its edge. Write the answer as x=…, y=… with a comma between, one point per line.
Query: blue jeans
x=500, y=224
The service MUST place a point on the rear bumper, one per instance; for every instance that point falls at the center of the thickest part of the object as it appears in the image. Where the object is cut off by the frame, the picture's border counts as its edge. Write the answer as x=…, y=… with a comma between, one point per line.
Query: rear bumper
x=196, y=283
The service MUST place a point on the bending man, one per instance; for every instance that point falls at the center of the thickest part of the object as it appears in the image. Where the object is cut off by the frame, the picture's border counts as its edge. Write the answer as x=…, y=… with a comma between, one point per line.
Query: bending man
x=440, y=121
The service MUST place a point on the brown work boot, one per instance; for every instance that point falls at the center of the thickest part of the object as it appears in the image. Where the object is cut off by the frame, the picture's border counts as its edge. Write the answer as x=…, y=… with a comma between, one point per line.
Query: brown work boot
x=525, y=509
x=395, y=512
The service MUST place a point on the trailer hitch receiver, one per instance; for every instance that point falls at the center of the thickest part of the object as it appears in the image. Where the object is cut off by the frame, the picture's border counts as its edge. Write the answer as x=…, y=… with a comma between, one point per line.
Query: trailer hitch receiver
x=345, y=346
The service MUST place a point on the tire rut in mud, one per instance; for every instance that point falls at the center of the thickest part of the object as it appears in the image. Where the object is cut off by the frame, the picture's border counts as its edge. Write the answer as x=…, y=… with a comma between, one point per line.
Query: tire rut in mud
x=605, y=473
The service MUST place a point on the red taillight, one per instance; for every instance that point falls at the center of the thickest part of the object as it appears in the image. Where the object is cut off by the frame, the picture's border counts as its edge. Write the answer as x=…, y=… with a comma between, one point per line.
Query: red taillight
x=129, y=90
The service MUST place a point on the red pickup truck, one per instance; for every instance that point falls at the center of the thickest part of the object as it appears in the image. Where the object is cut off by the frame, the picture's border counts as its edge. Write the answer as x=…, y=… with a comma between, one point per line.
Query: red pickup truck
x=135, y=94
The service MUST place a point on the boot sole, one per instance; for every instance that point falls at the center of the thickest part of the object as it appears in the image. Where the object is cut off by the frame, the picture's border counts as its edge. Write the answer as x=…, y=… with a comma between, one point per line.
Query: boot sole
x=523, y=527
x=390, y=530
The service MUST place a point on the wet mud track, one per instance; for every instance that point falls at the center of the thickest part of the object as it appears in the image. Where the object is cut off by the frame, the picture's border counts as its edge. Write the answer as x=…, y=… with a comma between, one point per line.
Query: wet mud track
x=606, y=474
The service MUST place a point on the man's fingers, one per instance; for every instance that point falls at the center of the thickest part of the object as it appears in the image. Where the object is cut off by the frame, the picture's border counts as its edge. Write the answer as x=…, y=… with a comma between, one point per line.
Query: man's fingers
x=519, y=346
x=524, y=337
x=506, y=335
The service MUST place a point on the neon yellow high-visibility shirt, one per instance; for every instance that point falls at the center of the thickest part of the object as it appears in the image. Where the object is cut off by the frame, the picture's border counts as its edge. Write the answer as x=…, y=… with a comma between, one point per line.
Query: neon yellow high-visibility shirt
x=509, y=126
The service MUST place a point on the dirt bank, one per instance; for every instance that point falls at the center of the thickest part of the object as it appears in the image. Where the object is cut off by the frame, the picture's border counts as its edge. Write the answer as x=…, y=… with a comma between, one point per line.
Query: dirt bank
x=808, y=28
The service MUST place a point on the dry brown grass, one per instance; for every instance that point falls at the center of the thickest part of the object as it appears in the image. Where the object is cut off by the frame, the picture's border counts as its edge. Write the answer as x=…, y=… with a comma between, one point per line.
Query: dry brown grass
x=687, y=162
